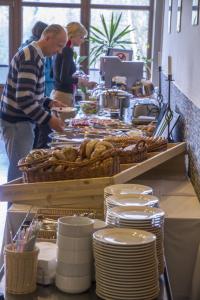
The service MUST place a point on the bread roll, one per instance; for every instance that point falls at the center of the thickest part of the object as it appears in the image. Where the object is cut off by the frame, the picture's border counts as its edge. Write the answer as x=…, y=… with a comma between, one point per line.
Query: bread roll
x=70, y=154
x=90, y=146
x=98, y=151
x=83, y=149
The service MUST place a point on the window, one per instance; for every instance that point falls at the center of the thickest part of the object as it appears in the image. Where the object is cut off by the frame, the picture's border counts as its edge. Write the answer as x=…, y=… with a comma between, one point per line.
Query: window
x=54, y=1
x=4, y=42
x=138, y=20
x=4, y=35
x=48, y=15
x=122, y=2
x=17, y=17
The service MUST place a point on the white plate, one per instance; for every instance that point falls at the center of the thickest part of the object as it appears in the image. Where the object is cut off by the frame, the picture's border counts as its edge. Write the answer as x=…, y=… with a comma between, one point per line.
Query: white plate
x=132, y=257
x=121, y=247
x=145, y=294
x=132, y=200
x=128, y=286
x=126, y=270
x=136, y=213
x=123, y=236
x=124, y=189
x=137, y=276
x=64, y=109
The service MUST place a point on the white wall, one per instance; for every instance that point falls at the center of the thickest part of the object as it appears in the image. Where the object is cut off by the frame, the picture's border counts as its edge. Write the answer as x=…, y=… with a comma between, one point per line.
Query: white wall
x=157, y=37
x=184, y=47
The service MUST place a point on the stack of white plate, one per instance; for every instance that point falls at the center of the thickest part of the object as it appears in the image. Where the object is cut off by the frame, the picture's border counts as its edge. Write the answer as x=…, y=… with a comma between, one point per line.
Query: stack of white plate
x=125, y=189
x=150, y=219
x=126, y=264
x=131, y=200
x=98, y=224
x=74, y=255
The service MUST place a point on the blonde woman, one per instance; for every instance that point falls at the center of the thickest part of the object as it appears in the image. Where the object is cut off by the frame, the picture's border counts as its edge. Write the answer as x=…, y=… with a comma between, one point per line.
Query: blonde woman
x=64, y=66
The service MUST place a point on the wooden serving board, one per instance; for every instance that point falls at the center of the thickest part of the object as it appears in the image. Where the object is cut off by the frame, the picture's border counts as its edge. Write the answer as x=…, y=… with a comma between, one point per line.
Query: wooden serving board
x=155, y=159
x=81, y=193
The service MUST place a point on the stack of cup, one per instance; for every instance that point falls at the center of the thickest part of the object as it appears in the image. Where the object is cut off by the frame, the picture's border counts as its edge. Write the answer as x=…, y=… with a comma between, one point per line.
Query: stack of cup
x=74, y=255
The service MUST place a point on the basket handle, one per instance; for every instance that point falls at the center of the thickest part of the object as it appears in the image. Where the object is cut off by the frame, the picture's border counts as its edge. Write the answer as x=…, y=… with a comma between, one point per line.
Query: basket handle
x=22, y=162
x=141, y=146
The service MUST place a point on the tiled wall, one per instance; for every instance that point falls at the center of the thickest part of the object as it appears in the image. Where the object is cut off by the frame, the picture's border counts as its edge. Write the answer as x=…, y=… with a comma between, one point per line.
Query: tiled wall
x=188, y=129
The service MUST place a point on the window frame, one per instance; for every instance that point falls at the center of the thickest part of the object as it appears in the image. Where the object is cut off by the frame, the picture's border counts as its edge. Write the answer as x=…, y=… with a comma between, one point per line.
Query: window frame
x=85, y=6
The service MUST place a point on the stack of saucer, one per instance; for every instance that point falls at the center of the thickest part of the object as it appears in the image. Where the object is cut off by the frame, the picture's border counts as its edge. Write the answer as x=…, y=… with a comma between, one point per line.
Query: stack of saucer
x=150, y=219
x=126, y=264
x=131, y=200
x=127, y=189
x=74, y=255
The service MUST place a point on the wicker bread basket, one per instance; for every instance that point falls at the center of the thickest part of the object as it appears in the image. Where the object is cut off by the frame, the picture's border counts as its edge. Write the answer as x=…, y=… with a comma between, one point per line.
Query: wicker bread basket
x=44, y=170
x=136, y=154
x=153, y=144
x=55, y=214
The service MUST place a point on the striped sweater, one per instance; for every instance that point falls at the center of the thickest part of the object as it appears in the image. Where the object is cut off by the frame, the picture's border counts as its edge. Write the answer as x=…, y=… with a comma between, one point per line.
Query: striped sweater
x=23, y=95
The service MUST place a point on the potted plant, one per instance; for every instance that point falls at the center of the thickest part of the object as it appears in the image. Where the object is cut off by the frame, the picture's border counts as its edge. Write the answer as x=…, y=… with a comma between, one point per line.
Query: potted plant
x=109, y=36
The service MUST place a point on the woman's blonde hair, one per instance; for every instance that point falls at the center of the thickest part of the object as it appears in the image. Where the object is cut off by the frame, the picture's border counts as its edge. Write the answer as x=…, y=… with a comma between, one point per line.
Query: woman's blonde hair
x=76, y=29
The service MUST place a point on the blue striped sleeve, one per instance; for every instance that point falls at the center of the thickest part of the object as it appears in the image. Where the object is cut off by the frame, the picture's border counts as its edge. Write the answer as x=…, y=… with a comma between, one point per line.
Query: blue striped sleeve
x=27, y=85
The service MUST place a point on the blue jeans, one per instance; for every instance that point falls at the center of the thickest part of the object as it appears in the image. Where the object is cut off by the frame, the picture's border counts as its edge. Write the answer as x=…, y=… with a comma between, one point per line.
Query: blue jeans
x=18, y=138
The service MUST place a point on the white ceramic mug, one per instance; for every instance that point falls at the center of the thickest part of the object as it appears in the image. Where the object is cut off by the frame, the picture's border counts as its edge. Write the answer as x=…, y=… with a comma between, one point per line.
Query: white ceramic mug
x=74, y=243
x=75, y=226
x=73, y=270
x=73, y=285
x=74, y=257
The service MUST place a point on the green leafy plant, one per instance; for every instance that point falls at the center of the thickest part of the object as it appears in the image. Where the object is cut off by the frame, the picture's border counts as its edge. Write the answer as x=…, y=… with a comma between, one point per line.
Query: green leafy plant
x=110, y=36
x=147, y=62
x=78, y=59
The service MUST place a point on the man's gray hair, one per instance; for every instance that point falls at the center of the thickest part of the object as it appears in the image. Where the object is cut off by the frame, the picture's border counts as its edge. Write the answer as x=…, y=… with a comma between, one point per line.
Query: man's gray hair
x=53, y=29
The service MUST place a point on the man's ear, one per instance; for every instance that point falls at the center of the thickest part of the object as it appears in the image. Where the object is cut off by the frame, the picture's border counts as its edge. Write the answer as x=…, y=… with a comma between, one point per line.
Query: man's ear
x=47, y=37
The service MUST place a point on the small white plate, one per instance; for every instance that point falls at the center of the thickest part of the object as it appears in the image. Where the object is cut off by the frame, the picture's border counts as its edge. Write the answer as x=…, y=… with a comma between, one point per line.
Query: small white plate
x=64, y=109
x=123, y=236
x=125, y=189
x=132, y=200
x=137, y=213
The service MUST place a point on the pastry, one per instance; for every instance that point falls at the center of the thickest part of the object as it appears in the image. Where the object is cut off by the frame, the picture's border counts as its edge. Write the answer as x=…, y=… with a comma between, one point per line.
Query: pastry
x=83, y=149
x=90, y=146
x=100, y=149
x=70, y=154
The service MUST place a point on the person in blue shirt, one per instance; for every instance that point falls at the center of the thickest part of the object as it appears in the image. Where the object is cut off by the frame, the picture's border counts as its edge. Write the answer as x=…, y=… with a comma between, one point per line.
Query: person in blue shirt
x=37, y=30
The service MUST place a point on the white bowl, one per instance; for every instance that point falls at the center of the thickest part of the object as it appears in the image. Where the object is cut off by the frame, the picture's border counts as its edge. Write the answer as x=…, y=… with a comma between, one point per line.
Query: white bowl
x=74, y=243
x=73, y=285
x=73, y=270
x=99, y=224
x=74, y=257
x=75, y=226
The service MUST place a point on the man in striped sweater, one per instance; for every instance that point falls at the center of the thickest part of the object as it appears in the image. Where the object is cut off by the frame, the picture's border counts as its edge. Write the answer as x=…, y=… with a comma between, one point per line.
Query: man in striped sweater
x=23, y=103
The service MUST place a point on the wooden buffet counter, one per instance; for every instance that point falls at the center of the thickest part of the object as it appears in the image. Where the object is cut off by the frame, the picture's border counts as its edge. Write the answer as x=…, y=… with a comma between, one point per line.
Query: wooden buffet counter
x=85, y=193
